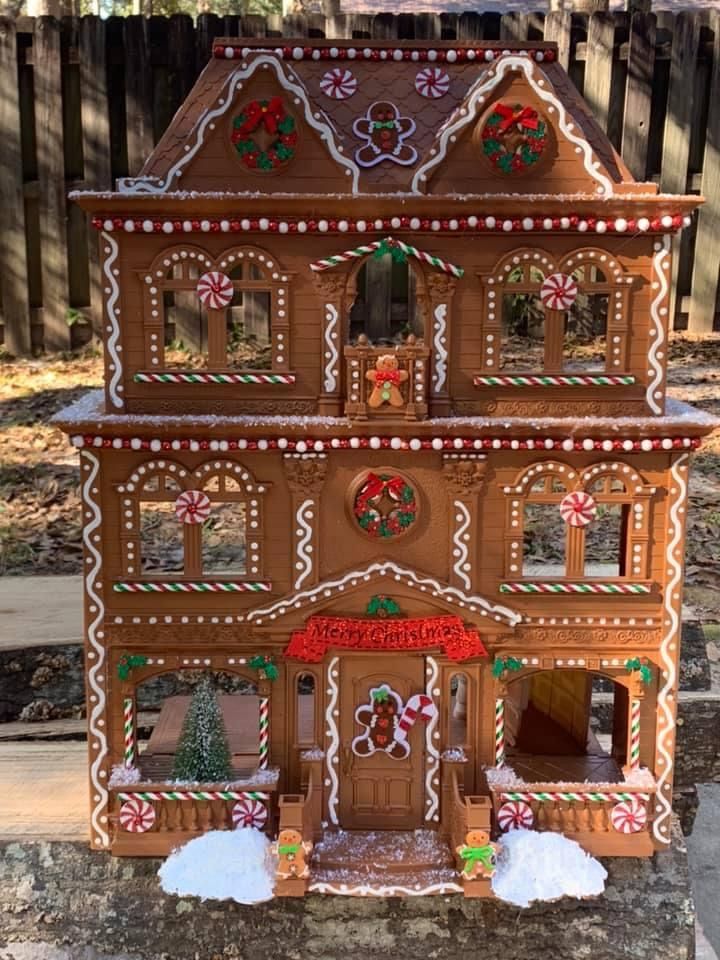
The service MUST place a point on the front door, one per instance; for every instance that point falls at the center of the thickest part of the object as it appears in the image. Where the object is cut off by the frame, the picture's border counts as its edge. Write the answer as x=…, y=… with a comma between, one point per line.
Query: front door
x=382, y=752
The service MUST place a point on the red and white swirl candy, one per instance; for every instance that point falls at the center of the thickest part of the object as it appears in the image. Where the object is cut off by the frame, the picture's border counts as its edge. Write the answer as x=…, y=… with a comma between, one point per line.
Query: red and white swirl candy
x=558, y=292
x=137, y=816
x=215, y=290
x=515, y=815
x=249, y=813
x=339, y=83
x=578, y=509
x=432, y=82
x=629, y=816
x=192, y=506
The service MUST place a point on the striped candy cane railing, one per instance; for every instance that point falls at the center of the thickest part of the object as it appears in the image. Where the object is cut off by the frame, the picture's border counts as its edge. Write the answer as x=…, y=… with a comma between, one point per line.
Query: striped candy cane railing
x=634, y=758
x=129, y=731
x=264, y=732
x=499, y=732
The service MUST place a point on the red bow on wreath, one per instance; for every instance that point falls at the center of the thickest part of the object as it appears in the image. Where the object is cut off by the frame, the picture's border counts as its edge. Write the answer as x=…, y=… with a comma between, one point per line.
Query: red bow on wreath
x=527, y=117
x=372, y=487
x=268, y=115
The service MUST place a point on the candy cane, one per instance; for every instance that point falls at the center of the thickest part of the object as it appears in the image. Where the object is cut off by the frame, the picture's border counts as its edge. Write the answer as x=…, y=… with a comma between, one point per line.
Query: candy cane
x=129, y=730
x=635, y=734
x=192, y=506
x=249, y=813
x=195, y=795
x=499, y=732
x=137, y=815
x=357, y=252
x=578, y=509
x=432, y=82
x=346, y=255
x=629, y=816
x=558, y=292
x=215, y=290
x=339, y=84
x=417, y=707
x=572, y=796
x=264, y=733
x=515, y=815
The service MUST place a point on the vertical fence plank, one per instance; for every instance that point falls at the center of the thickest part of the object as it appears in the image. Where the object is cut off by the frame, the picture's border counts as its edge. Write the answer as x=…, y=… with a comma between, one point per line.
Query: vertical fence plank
x=558, y=27
x=705, y=275
x=138, y=93
x=514, y=27
x=599, y=65
x=13, y=258
x=95, y=115
x=638, y=94
x=51, y=179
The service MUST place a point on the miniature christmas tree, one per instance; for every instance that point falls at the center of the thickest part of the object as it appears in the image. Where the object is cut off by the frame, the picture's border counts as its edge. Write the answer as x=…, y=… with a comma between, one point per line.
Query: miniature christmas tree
x=203, y=753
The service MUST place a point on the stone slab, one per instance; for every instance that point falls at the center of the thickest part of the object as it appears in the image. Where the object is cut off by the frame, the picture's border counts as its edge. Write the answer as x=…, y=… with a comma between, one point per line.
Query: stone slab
x=704, y=854
x=62, y=893
x=40, y=611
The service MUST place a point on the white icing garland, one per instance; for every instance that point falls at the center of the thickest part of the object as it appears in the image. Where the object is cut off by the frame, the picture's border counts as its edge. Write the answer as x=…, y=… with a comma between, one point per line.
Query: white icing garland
x=432, y=759
x=382, y=568
x=666, y=720
x=289, y=82
x=303, y=516
x=460, y=543
x=95, y=672
x=113, y=326
x=332, y=356
x=439, y=340
x=332, y=732
x=661, y=263
x=366, y=890
x=476, y=96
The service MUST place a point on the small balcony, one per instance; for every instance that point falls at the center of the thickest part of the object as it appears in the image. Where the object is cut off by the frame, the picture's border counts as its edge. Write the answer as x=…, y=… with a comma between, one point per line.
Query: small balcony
x=387, y=382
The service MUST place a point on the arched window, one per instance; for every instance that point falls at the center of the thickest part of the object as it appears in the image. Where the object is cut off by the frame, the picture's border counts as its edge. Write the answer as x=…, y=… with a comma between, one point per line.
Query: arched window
x=248, y=342
x=585, y=334
x=305, y=710
x=224, y=538
x=185, y=321
x=523, y=319
x=458, y=710
x=386, y=308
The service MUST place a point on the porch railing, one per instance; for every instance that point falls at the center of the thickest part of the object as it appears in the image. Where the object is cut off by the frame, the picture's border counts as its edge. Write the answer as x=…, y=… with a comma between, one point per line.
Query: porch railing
x=413, y=367
x=462, y=814
x=301, y=812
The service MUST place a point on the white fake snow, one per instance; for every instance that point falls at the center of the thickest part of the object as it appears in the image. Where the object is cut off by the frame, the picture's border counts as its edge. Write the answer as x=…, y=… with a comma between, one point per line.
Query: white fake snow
x=545, y=866
x=222, y=865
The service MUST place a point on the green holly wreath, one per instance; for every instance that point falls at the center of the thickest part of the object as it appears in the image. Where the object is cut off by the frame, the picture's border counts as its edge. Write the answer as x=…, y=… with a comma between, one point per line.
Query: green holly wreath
x=385, y=523
x=513, y=138
x=268, y=115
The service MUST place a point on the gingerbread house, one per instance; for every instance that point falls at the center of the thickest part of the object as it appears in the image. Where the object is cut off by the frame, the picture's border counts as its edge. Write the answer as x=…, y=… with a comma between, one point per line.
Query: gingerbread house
x=384, y=446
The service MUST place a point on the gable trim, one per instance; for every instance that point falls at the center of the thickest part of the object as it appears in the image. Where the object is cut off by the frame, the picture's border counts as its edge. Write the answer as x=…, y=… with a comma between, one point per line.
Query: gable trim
x=475, y=99
x=405, y=575
x=289, y=81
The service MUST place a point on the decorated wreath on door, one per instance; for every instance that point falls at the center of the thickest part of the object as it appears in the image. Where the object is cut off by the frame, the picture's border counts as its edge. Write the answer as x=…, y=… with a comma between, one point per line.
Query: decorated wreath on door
x=385, y=505
x=513, y=137
x=264, y=135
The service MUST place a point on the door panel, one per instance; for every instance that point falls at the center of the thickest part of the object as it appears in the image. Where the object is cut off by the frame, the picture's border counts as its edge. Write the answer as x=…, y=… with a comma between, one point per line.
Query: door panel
x=378, y=791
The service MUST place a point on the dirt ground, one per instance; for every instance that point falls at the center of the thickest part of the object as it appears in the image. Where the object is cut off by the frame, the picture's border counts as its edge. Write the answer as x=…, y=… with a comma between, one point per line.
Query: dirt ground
x=39, y=496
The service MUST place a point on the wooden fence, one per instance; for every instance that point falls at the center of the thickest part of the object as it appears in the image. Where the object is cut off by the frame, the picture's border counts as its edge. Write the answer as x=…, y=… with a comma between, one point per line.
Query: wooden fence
x=83, y=100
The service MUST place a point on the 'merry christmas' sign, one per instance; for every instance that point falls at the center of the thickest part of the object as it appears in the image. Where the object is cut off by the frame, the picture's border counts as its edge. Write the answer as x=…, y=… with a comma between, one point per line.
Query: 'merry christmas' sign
x=449, y=633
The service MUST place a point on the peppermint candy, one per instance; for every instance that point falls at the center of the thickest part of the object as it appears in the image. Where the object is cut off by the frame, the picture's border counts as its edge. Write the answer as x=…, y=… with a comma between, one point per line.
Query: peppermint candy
x=432, y=82
x=192, y=506
x=630, y=816
x=515, y=815
x=578, y=509
x=339, y=84
x=249, y=813
x=215, y=290
x=558, y=292
x=137, y=816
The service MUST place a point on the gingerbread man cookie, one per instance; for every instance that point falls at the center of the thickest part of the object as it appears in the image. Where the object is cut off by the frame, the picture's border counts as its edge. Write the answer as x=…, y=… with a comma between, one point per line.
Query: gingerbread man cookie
x=478, y=854
x=386, y=380
x=291, y=851
x=380, y=719
x=384, y=132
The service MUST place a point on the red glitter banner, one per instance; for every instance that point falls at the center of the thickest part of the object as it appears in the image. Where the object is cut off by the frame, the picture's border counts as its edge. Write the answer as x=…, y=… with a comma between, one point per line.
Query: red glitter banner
x=322, y=633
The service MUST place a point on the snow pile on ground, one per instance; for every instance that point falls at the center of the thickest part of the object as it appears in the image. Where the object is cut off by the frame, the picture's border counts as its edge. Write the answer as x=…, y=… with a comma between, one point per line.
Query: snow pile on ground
x=222, y=865
x=545, y=866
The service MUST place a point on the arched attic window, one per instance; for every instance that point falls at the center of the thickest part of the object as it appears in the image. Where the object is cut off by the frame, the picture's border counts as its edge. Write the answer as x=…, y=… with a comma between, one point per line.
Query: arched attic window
x=224, y=537
x=251, y=333
x=387, y=305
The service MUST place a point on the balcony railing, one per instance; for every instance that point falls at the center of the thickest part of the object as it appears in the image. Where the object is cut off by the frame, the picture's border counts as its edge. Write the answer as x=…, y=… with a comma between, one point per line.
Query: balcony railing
x=398, y=388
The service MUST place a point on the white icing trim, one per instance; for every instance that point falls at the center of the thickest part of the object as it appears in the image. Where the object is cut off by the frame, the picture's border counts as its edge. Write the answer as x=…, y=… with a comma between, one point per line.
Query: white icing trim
x=366, y=890
x=114, y=387
x=382, y=568
x=432, y=759
x=439, y=340
x=331, y=319
x=331, y=755
x=666, y=696
x=460, y=543
x=303, y=516
x=289, y=81
x=661, y=265
x=97, y=739
x=475, y=99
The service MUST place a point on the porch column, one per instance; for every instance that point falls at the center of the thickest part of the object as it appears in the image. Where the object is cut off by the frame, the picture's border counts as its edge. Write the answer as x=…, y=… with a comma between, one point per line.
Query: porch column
x=263, y=724
x=305, y=473
x=330, y=288
x=440, y=290
x=129, y=736
x=464, y=476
